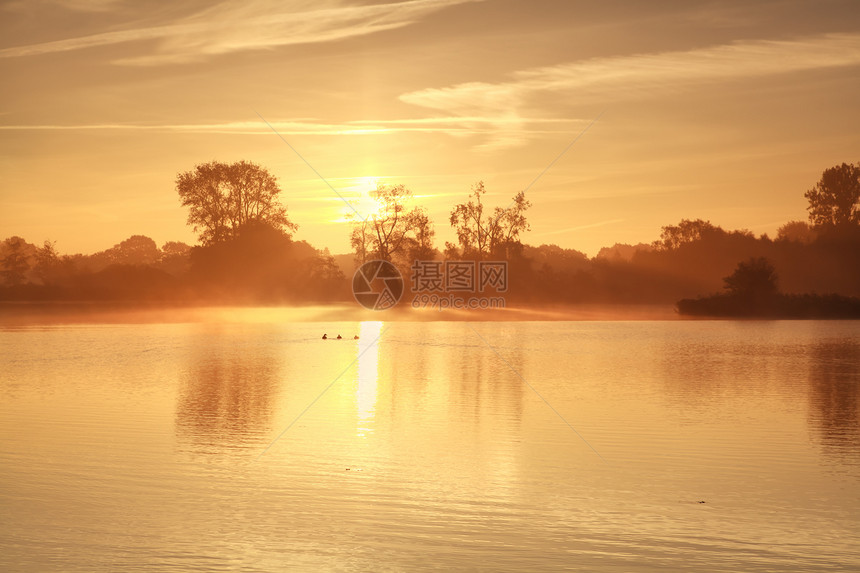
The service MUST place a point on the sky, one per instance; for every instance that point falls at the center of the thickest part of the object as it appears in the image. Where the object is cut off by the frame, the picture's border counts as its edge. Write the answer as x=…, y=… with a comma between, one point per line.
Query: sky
x=616, y=117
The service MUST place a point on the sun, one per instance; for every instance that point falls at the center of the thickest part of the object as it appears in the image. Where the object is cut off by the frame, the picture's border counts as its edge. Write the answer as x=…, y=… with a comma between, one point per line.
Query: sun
x=355, y=192
x=366, y=183
x=359, y=196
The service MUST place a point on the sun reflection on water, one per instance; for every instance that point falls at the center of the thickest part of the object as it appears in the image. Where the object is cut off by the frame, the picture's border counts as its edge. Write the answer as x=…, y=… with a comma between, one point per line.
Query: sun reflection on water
x=368, y=373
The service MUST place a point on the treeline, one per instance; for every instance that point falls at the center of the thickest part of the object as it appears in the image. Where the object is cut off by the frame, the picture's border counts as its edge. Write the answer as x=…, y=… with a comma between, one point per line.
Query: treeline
x=263, y=265
x=247, y=254
x=752, y=290
x=259, y=266
x=690, y=259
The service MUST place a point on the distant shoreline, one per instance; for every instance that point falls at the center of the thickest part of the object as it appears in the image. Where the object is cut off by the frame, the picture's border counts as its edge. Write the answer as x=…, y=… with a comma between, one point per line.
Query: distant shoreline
x=26, y=314
x=44, y=313
x=776, y=307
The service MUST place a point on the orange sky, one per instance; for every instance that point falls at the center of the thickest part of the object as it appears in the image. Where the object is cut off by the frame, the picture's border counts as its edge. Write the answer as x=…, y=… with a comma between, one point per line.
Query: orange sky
x=713, y=110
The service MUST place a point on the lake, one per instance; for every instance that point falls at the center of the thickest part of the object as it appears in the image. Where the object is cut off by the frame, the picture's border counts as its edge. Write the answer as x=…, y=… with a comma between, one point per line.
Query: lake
x=521, y=446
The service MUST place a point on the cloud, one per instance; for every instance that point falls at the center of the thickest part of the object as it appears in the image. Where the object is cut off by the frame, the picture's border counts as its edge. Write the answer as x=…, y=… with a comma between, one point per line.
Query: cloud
x=603, y=80
x=457, y=126
x=236, y=26
x=105, y=39
x=233, y=127
x=72, y=5
x=88, y=5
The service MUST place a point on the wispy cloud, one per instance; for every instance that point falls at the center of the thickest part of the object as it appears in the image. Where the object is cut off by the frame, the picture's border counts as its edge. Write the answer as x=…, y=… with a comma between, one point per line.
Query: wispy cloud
x=235, y=127
x=88, y=5
x=457, y=126
x=602, y=80
x=73, y=5
x=236, y=26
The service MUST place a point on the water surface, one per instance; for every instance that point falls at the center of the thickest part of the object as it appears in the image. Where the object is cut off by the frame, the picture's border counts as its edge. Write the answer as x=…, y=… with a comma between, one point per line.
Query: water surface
x=602, y=446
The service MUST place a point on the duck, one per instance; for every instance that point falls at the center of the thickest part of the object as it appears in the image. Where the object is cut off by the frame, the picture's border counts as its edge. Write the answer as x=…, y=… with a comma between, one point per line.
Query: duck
x=355, y=337
x=325, y=336
x=339, y=337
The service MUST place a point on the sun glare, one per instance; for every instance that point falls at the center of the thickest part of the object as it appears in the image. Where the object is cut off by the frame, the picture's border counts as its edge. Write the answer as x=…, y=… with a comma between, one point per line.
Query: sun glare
x=357, y=192
x=368, y=375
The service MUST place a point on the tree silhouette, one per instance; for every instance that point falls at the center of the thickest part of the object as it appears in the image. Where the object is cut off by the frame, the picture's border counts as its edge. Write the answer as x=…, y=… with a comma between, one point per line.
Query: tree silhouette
x=175, y=257
x=754, y=279
x=222, y=199
x=175, y=249
x=834, y=202
x=480, y=236
x=16, y=263
x=796, y=231
x=687, y=231
x=136, y=250
x=394, y=232
x=48, y=265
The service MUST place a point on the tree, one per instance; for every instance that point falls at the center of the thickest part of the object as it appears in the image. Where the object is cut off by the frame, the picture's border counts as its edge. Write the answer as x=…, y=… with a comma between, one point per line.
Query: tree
x=263, y=264
x=834, y=202
x=687, y=231
x=419, y=244
x=172, y=249
x=16, y=263
x=507, y=225
x=394, y=232
x=480, y=236
x=136, y=250
x=254, y=263
x=175, y=257
x=796, y=231
x=323, y=278
x=222, y=199
x=48, y=265
x=622, y=251
x=754, y=279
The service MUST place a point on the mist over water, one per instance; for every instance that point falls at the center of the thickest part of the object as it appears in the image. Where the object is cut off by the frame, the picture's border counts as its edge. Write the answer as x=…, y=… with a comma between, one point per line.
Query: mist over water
x=709, y=446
